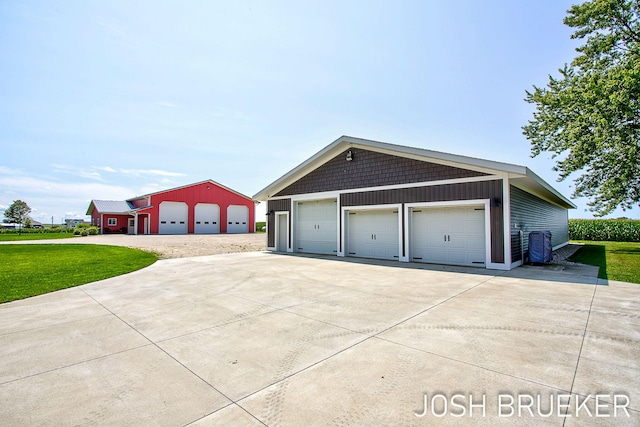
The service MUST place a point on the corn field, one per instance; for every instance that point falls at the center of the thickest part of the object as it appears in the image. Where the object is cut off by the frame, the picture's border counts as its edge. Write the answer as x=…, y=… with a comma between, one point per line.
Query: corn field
x=613, y=230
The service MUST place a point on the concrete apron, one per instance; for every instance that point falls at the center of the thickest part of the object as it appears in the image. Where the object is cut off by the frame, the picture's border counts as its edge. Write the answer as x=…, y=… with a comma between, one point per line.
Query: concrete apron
x=265, y=339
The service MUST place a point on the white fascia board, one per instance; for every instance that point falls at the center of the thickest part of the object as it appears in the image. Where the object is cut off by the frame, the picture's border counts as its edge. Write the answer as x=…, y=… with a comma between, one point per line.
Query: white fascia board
x=533, y=184
x=334, y=194
x=549, y=188
x=299, y=171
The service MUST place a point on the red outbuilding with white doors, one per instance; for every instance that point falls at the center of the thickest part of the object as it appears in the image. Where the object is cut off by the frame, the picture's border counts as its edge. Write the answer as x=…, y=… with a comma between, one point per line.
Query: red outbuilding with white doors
x=202, y=208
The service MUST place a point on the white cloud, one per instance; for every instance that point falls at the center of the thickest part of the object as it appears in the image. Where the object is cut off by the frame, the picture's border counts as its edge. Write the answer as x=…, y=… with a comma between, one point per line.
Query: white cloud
x=79, y=172
x=150, y=172
x=106, y=168
x=93, y=172
x=85, y=190
x=166, y=104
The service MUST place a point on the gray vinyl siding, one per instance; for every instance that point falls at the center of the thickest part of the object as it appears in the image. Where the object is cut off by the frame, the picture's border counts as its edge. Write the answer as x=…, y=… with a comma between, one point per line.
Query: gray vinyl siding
x=532, y=213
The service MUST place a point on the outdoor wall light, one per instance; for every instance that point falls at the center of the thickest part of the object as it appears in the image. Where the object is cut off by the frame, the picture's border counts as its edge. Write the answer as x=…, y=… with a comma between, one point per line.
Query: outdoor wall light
x=495, y=203
x=349, y=156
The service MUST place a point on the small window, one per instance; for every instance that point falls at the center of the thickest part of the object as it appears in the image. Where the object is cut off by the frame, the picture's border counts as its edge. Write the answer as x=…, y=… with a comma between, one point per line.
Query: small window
x=214, y=222
x=206, y=222
x=198, y=222
x=173, y=222
x=163, y=222
x=112, y=221
x=230, y=222
x=181, y=222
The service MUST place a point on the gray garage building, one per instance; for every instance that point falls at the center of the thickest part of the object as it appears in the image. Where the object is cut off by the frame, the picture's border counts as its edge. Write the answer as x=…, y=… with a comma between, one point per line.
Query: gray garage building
x=371, y=199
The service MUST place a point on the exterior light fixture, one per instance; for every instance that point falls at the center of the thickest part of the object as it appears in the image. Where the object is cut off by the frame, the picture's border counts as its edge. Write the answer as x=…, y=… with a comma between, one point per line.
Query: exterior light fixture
x=349, y=156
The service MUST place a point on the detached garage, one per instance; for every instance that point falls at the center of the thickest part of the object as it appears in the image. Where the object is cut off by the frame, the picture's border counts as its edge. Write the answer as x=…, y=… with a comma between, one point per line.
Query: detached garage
x=202, y=208
x=371, y=199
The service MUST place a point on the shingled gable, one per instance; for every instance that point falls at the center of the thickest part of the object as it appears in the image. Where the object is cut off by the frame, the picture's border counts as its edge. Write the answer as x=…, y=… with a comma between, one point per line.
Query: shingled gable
x=371, y=168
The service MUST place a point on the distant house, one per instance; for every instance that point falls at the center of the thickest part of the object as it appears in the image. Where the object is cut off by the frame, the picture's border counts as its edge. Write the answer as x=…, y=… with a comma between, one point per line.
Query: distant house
x=201, y=208
x=73, y=222
x=14, y=226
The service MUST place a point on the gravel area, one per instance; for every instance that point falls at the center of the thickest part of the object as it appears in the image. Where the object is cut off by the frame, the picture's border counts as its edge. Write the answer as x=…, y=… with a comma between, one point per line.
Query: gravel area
x=172, y=246
x=561, y=255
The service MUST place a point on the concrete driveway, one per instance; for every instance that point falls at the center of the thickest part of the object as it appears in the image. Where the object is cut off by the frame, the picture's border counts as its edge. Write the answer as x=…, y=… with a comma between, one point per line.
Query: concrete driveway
x=267, y=339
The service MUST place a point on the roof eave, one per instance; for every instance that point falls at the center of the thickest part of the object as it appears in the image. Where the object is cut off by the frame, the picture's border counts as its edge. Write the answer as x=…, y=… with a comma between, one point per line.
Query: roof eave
x=191, y=185
x=531, y=182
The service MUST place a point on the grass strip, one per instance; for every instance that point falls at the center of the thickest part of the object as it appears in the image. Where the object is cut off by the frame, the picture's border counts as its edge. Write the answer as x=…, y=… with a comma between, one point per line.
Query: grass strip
x=35, y=269
x=618, y=261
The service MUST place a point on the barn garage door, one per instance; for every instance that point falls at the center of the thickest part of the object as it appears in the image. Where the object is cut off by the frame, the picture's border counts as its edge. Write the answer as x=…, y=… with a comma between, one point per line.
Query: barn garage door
x=174, y=218
x=317, y=227
x=373, y=234
x=207, y=218
x=448, y=235
x=237, y=219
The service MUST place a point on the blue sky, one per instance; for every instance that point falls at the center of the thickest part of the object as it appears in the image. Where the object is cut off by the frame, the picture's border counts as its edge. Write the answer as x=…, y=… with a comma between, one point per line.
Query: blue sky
x=113, y=99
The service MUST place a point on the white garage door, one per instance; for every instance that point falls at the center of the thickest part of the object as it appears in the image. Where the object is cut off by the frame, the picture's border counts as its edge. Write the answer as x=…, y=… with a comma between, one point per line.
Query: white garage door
x=207, y=218
x=237, y=219
x=448, y=235
x=317, y=227
x=173, y=218
x=373, y=234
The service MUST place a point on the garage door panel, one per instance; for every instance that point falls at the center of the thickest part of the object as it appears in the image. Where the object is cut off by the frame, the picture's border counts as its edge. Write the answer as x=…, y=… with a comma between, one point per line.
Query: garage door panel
x=237, y=219
x=453, y=235
x=206, y=218
x=173, y=217
x=316, y=227
x=373, y=234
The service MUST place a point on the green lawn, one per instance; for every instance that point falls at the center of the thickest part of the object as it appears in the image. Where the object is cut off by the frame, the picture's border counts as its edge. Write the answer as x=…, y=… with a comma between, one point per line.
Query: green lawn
x=8, y=237
x=34, y=269
x=617, y=260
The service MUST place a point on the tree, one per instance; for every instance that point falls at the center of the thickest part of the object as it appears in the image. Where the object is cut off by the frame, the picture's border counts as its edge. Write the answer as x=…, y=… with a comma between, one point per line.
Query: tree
x=589, y=117
x=17, y=212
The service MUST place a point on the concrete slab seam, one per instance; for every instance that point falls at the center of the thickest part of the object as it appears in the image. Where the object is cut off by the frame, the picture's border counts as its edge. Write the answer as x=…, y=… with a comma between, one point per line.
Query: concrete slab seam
x=165, y=352
x=584, y=337
x=55, y=324
x=351, y=346
x=104, y=356
x=231, y=322
x=178, y=362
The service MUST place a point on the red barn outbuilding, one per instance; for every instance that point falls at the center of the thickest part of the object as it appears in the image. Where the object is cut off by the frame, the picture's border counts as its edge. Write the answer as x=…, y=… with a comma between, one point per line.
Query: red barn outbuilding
x=202, y=208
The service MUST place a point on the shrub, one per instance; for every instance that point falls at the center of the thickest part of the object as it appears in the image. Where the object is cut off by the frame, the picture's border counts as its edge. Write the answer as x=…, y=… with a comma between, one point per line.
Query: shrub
x=77, y=232
x=46, y=230
x=613, y=230
x=83, y=225
x=93, y=231
x=84, y=233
